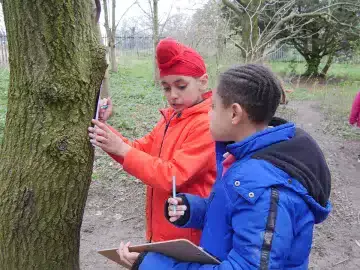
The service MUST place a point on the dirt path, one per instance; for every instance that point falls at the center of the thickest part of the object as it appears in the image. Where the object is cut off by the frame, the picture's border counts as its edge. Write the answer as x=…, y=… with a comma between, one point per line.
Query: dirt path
x=115, y=207
x=335, y=244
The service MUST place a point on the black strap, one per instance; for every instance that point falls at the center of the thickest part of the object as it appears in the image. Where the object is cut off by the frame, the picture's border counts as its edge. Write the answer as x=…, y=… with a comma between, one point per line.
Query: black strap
x=270, y=229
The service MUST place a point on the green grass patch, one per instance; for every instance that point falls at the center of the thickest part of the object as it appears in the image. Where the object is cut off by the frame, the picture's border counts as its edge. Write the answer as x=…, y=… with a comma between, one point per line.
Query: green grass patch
x=348, y=72
x=137, y=100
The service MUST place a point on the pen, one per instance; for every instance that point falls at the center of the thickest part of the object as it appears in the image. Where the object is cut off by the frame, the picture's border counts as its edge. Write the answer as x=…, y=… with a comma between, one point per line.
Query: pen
x=174, y=190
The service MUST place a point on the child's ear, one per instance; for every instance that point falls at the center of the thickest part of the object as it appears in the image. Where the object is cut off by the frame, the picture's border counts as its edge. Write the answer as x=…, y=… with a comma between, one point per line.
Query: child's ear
x=237, y=113
x=204, y=80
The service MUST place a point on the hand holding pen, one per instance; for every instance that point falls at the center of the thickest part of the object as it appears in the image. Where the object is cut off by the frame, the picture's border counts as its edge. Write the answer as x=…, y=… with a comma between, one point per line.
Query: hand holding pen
x=180, y=209
x=105, y=109
x=176, y=208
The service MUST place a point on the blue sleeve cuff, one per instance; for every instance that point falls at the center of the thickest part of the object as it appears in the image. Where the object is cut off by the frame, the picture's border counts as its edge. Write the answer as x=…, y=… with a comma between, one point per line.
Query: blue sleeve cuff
x=198, y=208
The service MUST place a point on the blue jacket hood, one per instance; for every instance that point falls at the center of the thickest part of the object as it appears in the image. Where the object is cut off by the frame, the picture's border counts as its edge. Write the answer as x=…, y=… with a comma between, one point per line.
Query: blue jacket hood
x=293, y=151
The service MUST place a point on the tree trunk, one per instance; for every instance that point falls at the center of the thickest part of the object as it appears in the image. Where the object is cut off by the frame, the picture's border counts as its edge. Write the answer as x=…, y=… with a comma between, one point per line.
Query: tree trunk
x=328, y=64
x=105, y=88
x=105, y=83
x=114, y=66
x=155, y=38
x=56, y=68
x=312, y=66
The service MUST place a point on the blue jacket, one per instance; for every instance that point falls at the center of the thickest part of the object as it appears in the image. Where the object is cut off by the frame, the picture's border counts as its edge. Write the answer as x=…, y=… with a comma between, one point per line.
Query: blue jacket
x=261, y=212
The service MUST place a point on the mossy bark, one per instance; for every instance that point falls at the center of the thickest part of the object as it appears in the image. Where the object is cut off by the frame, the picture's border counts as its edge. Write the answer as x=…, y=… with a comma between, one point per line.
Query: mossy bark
x=312, y=66
x=56, y=68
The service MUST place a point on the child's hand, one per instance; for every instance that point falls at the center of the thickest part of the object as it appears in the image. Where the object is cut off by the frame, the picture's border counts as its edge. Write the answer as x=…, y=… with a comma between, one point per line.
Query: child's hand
x=129, y=258
x=101, y=136
x=180, y=209
x=105, y=109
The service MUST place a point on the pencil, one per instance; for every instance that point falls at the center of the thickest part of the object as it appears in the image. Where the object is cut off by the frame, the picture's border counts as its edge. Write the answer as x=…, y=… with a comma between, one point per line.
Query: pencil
x=174, y=190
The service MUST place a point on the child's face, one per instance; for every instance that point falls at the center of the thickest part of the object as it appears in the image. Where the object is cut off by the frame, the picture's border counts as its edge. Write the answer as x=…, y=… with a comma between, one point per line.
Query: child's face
x=221, y=126
x=183, y=92
x=230, y=123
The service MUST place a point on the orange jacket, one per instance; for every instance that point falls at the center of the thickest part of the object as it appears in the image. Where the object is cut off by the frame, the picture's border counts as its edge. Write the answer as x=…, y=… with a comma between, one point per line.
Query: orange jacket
x=180, y=145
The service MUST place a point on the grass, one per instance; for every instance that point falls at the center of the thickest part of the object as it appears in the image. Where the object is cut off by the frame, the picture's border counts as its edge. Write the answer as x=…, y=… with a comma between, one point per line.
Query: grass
x=137, y=100
x=348, y=72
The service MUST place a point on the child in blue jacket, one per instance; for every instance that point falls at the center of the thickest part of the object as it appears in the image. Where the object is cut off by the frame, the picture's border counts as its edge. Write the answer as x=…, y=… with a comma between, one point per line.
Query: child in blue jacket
x=272, y=186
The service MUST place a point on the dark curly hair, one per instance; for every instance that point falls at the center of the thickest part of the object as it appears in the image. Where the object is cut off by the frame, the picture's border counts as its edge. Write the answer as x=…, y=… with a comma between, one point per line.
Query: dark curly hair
x=254, y=87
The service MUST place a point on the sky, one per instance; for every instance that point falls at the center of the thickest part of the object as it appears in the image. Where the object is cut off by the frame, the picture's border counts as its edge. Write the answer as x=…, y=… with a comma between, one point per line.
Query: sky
x=165, y=6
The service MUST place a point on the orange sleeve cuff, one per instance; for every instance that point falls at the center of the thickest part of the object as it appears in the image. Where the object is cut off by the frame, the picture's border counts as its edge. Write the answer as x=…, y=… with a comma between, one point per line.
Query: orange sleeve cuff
x=116, y=158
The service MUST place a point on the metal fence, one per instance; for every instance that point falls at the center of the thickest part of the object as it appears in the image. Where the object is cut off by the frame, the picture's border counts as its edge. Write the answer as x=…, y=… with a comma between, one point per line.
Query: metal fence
x=134, y=45
x=140, y=46
x=143, y=46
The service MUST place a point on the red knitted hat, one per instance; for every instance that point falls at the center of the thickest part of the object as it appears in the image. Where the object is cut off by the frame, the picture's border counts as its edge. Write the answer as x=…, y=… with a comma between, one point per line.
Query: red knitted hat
x=174, y=58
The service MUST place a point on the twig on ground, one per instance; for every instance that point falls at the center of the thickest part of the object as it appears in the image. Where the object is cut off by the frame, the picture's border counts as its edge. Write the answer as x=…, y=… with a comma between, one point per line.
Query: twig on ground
x=357, y=243
x=129, y=218
x=338, y=263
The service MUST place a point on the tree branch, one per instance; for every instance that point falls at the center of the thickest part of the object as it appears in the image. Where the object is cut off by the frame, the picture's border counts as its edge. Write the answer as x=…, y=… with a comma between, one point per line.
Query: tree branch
x=126, y=11
x=233, y=7
x=167, y=19
x=147, y=14
x=113, y=29
x=286, y=8
x=106, y=14
x=98, y=10
x=337, y=4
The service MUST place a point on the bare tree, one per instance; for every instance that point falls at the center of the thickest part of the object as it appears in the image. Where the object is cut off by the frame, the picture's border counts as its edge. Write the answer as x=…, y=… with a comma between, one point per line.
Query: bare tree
x=157, y=26
x=156, y=37
x=153, y=17
x=111, y=31
x=267, y=24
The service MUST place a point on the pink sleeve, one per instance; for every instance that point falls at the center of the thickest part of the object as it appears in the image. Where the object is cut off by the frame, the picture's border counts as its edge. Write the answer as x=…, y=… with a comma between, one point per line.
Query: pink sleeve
x=355, y=110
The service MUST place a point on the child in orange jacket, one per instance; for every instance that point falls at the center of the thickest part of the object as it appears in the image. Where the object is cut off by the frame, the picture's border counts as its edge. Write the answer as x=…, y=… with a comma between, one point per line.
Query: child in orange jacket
x=180, y=145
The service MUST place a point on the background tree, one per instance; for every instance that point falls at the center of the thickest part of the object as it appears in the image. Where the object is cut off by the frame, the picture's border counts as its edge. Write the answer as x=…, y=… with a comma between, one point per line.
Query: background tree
x=326, y=35
x=56, y=68
x=111, y=30
x=315, y=28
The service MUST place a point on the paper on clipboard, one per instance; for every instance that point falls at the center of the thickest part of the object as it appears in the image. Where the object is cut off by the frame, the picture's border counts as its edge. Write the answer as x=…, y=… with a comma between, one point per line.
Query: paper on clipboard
x=181, y=250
